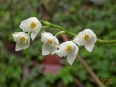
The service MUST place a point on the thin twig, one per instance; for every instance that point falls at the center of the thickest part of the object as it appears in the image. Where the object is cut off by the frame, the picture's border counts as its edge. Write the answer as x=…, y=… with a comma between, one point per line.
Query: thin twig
x=78, y=83
x=90, y=71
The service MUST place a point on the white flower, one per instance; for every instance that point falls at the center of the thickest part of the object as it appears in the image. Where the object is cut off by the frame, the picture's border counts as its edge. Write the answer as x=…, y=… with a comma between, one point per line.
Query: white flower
x=22, y=40
x=87, y=38
x=32, y=25
x=69, y=49
x=50, y=43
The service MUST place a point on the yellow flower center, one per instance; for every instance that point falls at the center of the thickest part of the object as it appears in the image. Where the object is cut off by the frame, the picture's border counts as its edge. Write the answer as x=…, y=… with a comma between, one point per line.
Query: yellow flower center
x=68, y=48
x=50, y=41
x=33, y=25
x=22, y=38
x=86, y=37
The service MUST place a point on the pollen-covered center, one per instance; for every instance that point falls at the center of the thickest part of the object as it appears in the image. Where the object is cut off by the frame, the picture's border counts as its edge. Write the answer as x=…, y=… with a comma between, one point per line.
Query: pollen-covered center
x=22, y=38
x=50, y=41
x=68, y=48
x=86, y=37
x=32, y=25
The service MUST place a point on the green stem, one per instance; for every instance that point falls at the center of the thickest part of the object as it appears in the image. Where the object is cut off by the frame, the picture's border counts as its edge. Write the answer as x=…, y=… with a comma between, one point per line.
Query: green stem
x=106, y=41
x=63, y=29
x=56, y=26
x=45, y=27
x=29, y=33
x=66, y=31
x=61, y=32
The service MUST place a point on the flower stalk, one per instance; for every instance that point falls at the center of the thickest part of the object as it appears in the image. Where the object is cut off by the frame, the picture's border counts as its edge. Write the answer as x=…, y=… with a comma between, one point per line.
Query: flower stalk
x=106, y=41
x=99, y=41
x=59, y=33
x=56, y=26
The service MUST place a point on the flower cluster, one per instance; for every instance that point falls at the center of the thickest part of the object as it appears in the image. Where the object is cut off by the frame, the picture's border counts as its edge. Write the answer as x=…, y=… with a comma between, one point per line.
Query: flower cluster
x=32, y=26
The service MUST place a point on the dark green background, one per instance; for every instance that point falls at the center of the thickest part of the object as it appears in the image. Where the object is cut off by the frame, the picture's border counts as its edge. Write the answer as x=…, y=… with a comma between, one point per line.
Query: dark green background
x=74, y=15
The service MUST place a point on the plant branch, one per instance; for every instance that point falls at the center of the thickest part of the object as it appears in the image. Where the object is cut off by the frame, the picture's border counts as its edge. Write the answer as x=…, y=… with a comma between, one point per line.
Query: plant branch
x=66, y=31
x=45, y=27
x=56, y=26
x=106, y=41
x=59, y=33
x=63, y=29
x=90, y=71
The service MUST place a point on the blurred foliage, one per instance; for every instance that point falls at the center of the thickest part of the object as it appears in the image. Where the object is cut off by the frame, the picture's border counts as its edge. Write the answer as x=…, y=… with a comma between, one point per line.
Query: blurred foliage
x=75, y=16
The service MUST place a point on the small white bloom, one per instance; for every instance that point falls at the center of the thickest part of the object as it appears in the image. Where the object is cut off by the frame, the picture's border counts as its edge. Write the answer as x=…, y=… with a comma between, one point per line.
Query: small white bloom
x=32, y=25
x=22, y=40
x=50, y=43
x=69, y=49
x=87, y=38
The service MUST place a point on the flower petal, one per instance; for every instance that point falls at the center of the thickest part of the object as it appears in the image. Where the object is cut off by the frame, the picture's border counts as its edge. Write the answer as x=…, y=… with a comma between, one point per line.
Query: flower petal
x=53, y=50
x=76, y=40
x=94, y=38
x=79, y=39
x=61, y=53
x=45, y=36
x=46, y=49
x=76, y=50
x=92, y=35
x=15, y=37
x=39, y=26
x=71, y=57
x=17, y=48
x=25, y=25
x=35, y=32
x=31, y=19
x=62, y=48
x=26, y=46
x=89, y=46
x=56, y=40
x=33, y=35
x=20, y=46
